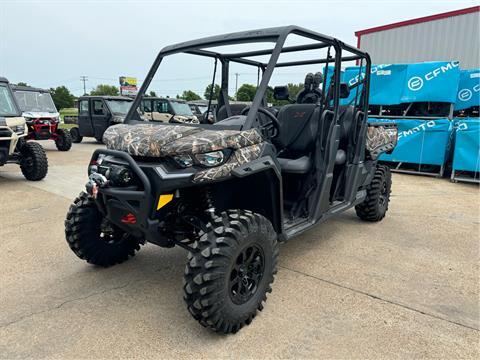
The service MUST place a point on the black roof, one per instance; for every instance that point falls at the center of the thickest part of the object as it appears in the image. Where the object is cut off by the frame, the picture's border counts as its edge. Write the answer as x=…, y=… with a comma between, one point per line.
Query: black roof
x=209, y=47
x=106, y=97
x=162, y=98
x=28, y=88
x=3, y=80
x=260, y=35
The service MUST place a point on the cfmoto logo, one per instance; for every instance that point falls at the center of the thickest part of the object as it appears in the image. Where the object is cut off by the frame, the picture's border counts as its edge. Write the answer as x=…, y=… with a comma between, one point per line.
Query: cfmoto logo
x=465, y=94
x=415, y=83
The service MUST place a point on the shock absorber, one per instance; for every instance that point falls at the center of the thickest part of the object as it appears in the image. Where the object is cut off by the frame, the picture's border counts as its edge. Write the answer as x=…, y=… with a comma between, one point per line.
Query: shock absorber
x=208, y=200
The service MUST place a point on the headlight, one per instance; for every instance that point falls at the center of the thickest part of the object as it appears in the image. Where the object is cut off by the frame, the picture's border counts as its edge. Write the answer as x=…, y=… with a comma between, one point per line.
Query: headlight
x=118, y=119
x=214, y=158
x=118, y=175
x=183, y=161
x=19, y=129
x=121, y=175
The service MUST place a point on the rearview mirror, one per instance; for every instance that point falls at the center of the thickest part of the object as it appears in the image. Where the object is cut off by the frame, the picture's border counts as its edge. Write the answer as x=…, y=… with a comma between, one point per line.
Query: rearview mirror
x=344, y=91
x=281, y=93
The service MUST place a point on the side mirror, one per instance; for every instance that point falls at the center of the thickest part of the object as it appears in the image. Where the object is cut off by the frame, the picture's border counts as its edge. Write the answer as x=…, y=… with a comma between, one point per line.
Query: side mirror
x=281, y=93
x=344, y=91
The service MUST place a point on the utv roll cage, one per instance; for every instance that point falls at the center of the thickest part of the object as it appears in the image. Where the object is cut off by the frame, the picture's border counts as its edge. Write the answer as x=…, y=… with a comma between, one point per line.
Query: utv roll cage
x=277, y=35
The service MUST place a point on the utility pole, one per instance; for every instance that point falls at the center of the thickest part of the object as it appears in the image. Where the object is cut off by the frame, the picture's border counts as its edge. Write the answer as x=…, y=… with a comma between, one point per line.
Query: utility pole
x=84, y=79
x=236, y=86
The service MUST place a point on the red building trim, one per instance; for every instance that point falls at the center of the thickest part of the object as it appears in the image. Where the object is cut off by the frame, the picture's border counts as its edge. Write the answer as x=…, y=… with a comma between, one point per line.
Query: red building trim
x=444, y=15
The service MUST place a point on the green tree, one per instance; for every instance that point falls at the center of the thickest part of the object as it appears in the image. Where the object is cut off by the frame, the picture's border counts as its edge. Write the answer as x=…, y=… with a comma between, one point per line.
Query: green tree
x=189, y=95
x=62, y=98
x=21, y=83
x=216, y=92
x=152, y=94
x=103, y=89
x=294, y=89
x=246, y=92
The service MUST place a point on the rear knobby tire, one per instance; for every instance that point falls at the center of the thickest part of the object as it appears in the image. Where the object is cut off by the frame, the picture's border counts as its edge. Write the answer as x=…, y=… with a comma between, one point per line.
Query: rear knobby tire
x=375, y=205
x=221, y=258
x=83, y=231
x=64, y=140
x=75, y=135
x=33, y=161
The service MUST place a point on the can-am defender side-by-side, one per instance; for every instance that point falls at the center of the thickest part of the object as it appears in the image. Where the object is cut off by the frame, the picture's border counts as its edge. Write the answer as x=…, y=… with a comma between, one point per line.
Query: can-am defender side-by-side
x=230, y=192
x=97, y=113
x=167, y=110
x=41, y=116
x=14, y=149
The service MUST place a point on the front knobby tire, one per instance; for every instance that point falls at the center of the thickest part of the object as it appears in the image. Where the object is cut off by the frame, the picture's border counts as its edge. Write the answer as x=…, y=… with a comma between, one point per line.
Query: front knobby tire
x=231, y=270
x=375, y=205
x=93, y=239
x=64, y=140
x=33, y=161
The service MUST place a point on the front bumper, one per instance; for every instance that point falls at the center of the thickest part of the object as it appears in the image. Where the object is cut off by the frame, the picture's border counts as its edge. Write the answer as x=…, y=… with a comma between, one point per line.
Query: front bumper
x=141, y=201
x=114, y=202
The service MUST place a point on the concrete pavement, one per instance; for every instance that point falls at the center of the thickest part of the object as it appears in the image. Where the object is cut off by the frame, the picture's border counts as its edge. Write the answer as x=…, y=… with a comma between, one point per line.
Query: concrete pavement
x=405, y=287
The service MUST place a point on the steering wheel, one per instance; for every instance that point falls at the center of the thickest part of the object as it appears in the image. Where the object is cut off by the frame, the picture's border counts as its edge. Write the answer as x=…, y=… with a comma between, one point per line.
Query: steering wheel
x=272, y=127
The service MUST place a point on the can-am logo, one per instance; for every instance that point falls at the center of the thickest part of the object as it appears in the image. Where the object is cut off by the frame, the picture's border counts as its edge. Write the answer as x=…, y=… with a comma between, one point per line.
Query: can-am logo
x=415, y=83
x=466, y=94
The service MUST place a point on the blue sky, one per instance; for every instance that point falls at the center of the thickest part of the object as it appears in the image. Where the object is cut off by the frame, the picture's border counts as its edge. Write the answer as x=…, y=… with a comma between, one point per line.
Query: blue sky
x=51, y=43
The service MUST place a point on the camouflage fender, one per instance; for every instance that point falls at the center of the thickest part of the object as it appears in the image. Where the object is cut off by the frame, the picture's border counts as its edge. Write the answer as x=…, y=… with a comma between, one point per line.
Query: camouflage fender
x=239, y=157
x=380, y=139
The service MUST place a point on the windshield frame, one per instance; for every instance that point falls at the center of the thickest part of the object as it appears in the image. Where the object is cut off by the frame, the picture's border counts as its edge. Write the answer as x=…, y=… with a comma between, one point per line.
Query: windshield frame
x=52, y=110
x=9, y=93
x=275, y=35
x=107, y=102
x=174, y=103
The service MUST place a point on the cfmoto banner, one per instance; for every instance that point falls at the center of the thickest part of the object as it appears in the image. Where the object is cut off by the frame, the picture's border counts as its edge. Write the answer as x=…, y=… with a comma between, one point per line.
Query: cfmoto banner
x=468, y=89
x=393, y=84
x=420, y=141
x=431, y=81
x=466, y=154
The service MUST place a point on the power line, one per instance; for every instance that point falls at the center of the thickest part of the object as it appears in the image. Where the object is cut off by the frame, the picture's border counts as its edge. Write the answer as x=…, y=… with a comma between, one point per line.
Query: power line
x=236, y=85
x=84, y=79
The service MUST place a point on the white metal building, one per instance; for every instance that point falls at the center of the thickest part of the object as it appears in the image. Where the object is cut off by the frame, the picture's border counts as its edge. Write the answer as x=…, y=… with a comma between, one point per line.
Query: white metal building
x=453, y=35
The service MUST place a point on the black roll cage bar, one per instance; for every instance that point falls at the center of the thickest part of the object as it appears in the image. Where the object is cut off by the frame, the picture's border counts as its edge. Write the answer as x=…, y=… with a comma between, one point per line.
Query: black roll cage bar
x=277, y=35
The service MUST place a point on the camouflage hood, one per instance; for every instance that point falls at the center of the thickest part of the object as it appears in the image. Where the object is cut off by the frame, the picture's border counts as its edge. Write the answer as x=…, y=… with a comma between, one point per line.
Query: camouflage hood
x=166, y=140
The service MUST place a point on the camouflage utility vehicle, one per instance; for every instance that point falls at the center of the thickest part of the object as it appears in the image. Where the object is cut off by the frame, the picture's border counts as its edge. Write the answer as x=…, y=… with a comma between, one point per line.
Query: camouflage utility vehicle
x=167, y=110
x=230, y=192
x=13, y=134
